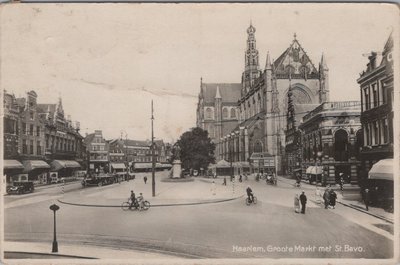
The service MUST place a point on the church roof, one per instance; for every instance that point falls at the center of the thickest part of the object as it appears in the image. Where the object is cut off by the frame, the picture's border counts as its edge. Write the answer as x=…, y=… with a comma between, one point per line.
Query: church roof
x=300, y=110
x=297, y=58
x=251, y=121
x=229, y=92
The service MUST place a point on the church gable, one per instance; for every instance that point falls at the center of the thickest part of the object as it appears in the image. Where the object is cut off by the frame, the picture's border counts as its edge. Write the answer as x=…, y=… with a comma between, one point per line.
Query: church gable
x=296, y=62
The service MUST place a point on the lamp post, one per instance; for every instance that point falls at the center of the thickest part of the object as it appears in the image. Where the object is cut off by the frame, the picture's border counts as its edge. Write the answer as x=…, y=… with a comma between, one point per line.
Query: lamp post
x=319, y=155
x=153, y=163
x=54, y=208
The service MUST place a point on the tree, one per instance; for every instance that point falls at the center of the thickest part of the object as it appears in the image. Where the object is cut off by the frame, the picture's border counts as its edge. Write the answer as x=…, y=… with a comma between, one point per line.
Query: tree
x=196, y=149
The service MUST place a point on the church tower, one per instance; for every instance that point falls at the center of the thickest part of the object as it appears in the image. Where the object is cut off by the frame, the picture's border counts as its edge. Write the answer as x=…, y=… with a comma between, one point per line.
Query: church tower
x=324, y=81
x=251, y=69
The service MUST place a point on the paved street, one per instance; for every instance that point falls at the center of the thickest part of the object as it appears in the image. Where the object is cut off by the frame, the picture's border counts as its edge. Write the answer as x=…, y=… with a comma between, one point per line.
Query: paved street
x=214, y=230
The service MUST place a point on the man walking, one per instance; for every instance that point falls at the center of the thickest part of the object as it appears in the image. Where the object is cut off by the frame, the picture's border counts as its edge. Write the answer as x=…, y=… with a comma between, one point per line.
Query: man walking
x=145, y=179
x=326, y=198
x=303, y=201
x=366, y=198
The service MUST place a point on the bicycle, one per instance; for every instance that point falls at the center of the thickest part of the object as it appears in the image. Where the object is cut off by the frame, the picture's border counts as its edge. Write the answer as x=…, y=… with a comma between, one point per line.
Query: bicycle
x=135, y=206
x=249, y=201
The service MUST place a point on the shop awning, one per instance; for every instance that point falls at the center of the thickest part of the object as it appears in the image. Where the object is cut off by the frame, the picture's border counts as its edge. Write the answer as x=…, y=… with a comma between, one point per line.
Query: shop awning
x=314, y=170
x=383, y=169
x=30, y=165
x=60, y=164
x=223, y=164
x=143, y=165
x=241, y=164
x=118, y=165
x=12, y=164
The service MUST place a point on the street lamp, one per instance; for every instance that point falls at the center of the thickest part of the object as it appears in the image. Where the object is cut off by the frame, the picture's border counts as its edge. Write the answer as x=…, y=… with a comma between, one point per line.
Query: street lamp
x=319, y=155
x=54, y=208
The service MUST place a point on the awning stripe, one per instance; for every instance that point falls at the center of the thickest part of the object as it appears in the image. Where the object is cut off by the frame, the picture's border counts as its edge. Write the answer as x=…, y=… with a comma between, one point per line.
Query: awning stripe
x=30, y=165
x=12, y=164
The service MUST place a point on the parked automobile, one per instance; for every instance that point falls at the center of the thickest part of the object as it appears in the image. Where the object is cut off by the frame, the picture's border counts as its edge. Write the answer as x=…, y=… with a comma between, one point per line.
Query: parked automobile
x=21, y=187
x=99, y=180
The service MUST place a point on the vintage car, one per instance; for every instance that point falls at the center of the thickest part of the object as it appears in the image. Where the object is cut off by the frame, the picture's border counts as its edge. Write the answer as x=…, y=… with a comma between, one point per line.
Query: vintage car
x=99, y=180
x=20, y=187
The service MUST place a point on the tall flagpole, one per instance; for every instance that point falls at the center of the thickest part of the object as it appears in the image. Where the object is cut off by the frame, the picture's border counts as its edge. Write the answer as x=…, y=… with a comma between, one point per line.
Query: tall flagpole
x=153, y=181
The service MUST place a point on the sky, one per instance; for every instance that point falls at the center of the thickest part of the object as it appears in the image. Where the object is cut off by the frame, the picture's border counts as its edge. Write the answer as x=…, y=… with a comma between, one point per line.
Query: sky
x=109, y=61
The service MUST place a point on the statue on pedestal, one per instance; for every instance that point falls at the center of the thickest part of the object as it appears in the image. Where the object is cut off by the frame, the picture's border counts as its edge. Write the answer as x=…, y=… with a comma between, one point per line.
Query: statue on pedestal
x=176, y=164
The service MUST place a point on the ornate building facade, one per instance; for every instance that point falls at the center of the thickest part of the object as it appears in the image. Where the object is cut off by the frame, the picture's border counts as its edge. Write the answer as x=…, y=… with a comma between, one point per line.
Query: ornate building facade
x=39, y=140
x=263, y=100
x=377, y=97
x=331, y=138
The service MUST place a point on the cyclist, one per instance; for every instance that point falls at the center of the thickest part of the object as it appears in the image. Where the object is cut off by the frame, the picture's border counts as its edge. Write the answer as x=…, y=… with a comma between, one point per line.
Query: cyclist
x=250, y=195
x=133, y=199
x=140, y=201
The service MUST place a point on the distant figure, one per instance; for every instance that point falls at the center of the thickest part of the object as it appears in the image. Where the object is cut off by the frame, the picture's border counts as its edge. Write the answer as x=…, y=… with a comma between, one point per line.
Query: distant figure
x=303, y=200
x=326, y=198
x=145, y=179
x=366, y=198
x=224, y=183
x=318, y=195
x=240, y=178
x=332, y=198
x=213, y=188
x=296, y=203
x=246, y=177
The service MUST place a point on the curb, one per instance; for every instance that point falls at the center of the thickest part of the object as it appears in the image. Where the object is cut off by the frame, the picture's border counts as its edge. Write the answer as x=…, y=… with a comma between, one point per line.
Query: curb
x=366, y=212
x=6, y=253
x=155, y=205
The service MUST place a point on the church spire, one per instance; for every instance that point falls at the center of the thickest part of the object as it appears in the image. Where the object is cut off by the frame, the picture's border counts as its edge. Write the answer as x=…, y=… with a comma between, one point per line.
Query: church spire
x=218, y=94
x=323, y=63
x=251, y=69
x=268, y=65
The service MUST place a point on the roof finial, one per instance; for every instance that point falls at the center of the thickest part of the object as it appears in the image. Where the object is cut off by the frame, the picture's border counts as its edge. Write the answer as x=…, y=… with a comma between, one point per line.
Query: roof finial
x=295, y=35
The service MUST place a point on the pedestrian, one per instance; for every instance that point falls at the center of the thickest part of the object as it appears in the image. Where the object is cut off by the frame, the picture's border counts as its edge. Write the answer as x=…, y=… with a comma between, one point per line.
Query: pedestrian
x=296, y=203
x=332, y=198
x=213, y=188
x=224, y=183
x=240, y=178
x=145, y=179
x=246, y=177
x=318, y=195
x=303, y=200
x=326, y=198
x=366, y=198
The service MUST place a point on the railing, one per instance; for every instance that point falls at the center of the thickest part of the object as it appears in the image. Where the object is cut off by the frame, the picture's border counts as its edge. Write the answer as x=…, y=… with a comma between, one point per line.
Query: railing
x=336, y=105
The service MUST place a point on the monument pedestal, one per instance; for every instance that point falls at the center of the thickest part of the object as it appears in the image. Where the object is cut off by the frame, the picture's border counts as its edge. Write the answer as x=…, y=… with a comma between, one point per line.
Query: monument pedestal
x=176, y=169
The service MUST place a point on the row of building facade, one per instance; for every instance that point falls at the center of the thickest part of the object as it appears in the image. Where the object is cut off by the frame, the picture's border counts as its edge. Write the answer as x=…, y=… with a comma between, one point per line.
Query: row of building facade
x=42, y=143
x=39, y=140
x=284, y=111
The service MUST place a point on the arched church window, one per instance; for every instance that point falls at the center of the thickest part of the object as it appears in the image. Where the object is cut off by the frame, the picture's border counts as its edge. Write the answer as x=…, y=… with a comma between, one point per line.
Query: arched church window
x=258, y=147
x=209, y=113
x=225, y=113
x=233, y=113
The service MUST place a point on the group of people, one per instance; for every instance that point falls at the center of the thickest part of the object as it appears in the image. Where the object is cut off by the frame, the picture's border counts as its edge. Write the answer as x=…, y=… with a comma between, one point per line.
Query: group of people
x=300, y=199
x=329, y=197
x=136, y=201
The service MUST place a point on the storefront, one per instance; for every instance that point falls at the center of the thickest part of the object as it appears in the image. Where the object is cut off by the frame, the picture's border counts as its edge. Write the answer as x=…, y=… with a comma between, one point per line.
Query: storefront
x=64, y=168
x=37, y=170
x=380, y=183
x=11, y=168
